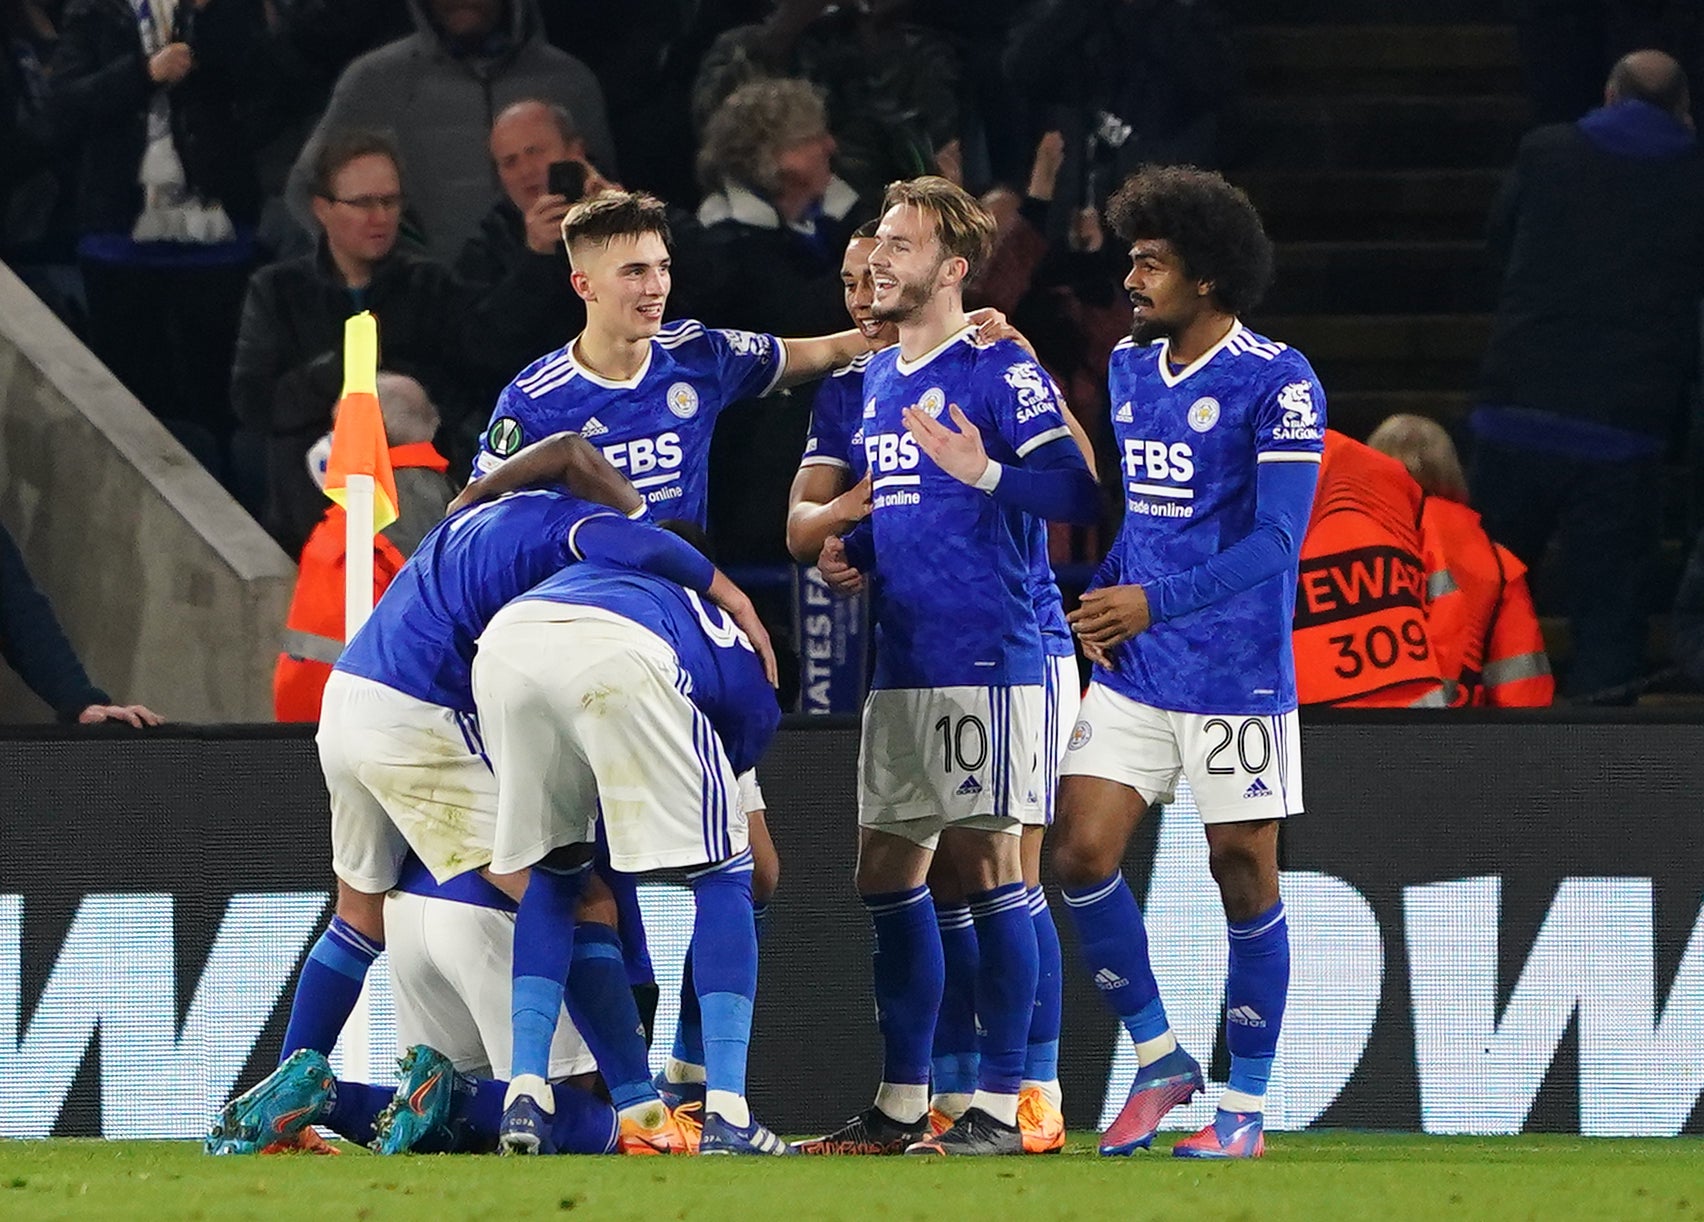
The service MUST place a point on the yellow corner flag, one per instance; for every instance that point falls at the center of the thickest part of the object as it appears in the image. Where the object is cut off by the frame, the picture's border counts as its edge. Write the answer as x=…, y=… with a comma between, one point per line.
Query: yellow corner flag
x=358, y=444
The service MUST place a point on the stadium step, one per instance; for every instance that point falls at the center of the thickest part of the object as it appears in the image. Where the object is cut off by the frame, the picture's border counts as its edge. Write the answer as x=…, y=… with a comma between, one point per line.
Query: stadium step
x=1382, y=12
x=1382, y=278
x=1372, y=205
x=1385, y=59
x=1384, y=132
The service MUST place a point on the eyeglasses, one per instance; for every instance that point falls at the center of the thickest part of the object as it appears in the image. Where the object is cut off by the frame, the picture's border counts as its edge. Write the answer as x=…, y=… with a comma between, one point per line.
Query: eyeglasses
x=370, y=203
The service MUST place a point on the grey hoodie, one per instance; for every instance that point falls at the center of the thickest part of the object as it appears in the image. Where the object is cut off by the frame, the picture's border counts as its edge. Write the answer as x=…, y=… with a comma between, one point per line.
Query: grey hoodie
x=439, y=109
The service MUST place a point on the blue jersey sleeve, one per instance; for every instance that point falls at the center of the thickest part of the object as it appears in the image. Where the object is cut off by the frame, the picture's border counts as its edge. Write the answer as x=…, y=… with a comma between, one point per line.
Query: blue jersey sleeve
x=1289, y=421
x=748, y=363
x=1283, y=501
x=829, y=441
x=1024, y=402
x=627, y=543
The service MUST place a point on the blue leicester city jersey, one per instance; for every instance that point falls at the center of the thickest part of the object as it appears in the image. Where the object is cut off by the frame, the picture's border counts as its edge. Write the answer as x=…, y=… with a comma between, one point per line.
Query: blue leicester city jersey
x=655, y=427
x=836, y=438
x=1190, y=444
x=955, y=569
x=727, y=680
x=420, y=638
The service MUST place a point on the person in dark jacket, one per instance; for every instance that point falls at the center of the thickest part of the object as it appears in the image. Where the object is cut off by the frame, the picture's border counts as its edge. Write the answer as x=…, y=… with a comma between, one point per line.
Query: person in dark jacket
x=1586, y=379
x=516, y=265
x=168, y=100
x=34, y=645
x=288, y=371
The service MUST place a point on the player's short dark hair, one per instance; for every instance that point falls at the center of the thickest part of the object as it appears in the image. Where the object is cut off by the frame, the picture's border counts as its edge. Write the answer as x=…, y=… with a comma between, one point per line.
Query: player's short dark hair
x=962, y=225
x=615, y=214
x=867, y=229
x=1210, y=224
x=350, y=144
x=693, y=533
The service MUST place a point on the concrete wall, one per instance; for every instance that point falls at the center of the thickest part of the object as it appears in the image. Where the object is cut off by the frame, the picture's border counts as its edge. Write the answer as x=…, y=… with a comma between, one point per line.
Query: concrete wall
x=173, y=596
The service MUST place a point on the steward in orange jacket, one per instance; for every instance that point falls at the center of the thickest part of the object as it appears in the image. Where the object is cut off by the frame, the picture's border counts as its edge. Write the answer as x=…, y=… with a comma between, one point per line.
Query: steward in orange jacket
x=1360, y=628
x=1479, y=611
x=313, y=631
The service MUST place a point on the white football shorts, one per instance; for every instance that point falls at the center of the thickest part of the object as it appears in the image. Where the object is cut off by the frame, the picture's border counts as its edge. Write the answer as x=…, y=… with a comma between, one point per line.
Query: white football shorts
x=581, y=710
x=935, y=757
x=450, y=969
x=1239, y=767
x=402, y=774
x=1063, y=696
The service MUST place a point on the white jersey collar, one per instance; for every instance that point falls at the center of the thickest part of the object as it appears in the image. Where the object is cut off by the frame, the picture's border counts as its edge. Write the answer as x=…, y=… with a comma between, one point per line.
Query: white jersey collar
x=598, y=379
x=1199, y=363
x=907, y=368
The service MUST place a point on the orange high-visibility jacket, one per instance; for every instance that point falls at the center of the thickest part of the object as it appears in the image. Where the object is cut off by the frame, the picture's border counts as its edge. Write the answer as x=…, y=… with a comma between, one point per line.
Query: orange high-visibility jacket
x=313, y=631
x=1479, y=613
x=1360, y=628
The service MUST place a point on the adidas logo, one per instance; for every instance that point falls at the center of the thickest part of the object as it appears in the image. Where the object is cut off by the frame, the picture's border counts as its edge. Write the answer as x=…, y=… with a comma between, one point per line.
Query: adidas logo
x=1125, y=415
x=970, y=786
x=1257, y=790
x=593, y=428
x=1106, y=980
x=1245, y=1016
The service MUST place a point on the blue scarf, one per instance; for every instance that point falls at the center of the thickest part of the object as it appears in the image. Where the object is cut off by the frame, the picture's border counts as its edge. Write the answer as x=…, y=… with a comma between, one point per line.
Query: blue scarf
x=1638, y=129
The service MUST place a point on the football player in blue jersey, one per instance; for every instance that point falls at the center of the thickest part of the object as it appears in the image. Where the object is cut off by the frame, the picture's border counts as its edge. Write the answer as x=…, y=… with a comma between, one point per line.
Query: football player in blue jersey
x=645, y=392
x=401, y=750
x=606, y=696
x=831, y=495
x=1188, y=622
x=967, y=447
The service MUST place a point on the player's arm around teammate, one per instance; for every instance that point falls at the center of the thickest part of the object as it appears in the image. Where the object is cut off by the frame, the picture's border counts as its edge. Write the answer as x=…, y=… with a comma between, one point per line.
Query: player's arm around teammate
x=565, y=458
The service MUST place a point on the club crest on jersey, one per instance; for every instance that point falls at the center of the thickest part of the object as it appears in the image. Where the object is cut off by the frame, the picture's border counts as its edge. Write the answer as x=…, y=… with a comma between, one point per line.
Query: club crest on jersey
x=1080, y=735
x=683, y=400
x=504, y=436
x=1301, y=417
x=934, y=401
x=1124, y=415
x=1203, y=414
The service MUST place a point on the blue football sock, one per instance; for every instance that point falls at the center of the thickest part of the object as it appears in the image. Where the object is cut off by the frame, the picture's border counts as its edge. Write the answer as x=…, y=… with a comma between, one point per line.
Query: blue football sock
x=544, y=948
x=1005, y=985
x=953, y=1058
x=581, y=1124
x=600, y=1001
x=689, y=1028
x=726, y=972
x=630, y=920
x=1255, y=989
x=358, y=1105
x=328, y=988
x=1041, y=1061
x=909, y=975
x=1114, y=945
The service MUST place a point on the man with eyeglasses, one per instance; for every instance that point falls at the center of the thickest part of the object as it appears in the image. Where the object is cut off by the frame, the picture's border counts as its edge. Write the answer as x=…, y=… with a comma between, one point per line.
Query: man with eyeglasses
x=289, y=350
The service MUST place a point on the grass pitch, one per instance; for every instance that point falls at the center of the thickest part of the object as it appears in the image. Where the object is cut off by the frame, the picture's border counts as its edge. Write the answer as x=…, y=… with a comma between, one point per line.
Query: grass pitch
x=1304, y=1176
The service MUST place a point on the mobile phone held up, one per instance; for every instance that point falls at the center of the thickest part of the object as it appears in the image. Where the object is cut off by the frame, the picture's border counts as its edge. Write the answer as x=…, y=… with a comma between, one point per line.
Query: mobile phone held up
x=567, y=179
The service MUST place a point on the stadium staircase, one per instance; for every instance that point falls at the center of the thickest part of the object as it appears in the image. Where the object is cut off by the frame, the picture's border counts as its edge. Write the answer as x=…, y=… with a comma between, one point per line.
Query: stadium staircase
x=1377, y=133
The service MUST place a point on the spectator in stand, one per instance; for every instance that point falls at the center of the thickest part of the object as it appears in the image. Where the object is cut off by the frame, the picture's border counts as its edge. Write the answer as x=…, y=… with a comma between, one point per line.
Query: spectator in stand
x=1585, y=383
x=1567, y=45
x=37, y=234
x=1479, y=612
x=314, y=631
x=1128, y=82
x=891, y=85
x=1360, y=632
x=516, y=263
x=166, y=100
x=438, y=90
x=775, y=223
x=289, y=364
x=34, y=645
